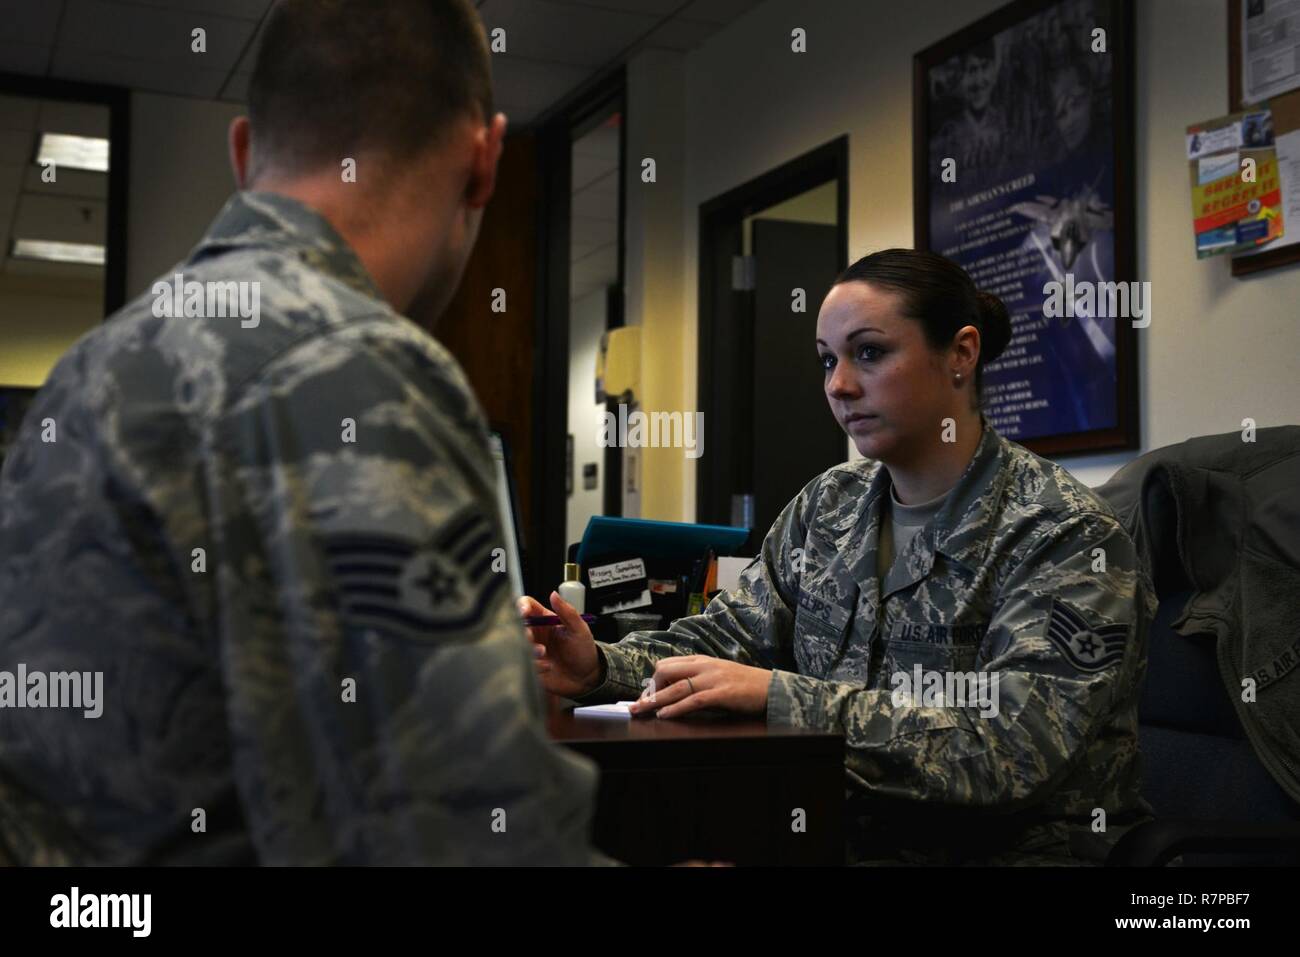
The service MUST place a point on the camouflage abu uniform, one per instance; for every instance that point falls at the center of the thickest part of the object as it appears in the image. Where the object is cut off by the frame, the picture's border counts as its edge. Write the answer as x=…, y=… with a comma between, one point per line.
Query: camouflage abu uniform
x=325, y=560
x=1001, y=580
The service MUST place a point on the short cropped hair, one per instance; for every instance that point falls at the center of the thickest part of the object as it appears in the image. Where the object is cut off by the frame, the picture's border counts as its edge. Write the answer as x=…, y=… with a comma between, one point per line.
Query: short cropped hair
x=335, y=78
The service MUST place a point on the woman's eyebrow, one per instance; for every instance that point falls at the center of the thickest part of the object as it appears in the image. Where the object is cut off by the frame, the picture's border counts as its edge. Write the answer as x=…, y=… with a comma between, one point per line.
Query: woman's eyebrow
x=856, y=332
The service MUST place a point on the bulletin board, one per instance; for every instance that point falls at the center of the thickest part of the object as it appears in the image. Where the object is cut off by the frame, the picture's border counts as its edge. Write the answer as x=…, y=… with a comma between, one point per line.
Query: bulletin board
x=1286, y=119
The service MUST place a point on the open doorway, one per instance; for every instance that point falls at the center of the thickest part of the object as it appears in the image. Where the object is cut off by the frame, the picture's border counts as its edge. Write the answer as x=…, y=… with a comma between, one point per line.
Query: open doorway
x=581, y=150
x=769, y=250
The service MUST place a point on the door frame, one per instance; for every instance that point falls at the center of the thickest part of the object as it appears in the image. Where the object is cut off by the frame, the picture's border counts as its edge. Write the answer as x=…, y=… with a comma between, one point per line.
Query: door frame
x=556, y=130
x=720, y=238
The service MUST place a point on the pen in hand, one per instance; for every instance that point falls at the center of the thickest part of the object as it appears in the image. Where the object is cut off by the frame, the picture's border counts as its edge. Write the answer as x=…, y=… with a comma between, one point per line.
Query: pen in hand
x=535, y=621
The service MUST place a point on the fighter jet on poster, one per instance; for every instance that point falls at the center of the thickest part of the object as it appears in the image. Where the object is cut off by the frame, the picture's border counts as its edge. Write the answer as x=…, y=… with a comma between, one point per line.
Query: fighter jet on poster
x=1071, y=222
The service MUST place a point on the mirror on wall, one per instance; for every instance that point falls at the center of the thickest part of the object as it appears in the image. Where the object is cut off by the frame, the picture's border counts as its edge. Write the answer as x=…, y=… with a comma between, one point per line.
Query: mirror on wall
x=594, y=306
x=54, y=238
x=54, y=161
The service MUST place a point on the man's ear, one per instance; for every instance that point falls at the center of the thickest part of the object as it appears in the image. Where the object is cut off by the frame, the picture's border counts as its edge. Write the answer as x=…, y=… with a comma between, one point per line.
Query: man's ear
x=239, y=144
x=489, y=141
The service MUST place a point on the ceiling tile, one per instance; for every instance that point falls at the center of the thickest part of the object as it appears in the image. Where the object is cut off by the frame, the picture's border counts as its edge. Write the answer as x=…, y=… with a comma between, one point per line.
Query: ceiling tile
x=17, y=147
x=655, y=8
x=600, y=267
x=18, y=112
x=588, y=170
x=249, y=57
x=155, y=77
x=23, y=58
x=519, y=115
x=153, y=34
x=580, y=36
x=532, y=84
x=601, y=142
x=236, y=88
x=718, y=11
x=596, y=231
x=681, y=34
x=67, y=182
x=591, y=205
x=553, y=45
x=66, y=116
x=11, y=180
x=240, y=9
x=58, y=217
x=29, y=267
x=30, y=21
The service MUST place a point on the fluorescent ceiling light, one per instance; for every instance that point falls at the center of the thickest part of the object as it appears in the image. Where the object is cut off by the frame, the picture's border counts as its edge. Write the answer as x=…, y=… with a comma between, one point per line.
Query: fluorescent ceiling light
x=73, y=152
x=89, y=254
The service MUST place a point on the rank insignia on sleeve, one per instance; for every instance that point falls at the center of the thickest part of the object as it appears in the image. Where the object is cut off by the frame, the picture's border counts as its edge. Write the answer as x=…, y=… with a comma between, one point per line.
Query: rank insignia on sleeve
x=406, y=590
x=1087, y=648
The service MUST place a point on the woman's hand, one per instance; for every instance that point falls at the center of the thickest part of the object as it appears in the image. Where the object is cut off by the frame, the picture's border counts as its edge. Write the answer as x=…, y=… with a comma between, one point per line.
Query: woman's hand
x=683, y=685
x=567, y=660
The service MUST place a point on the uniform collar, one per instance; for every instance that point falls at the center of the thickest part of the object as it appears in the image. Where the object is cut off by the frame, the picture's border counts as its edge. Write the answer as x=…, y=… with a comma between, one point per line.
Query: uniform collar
x=285, y=226
x=961, y=529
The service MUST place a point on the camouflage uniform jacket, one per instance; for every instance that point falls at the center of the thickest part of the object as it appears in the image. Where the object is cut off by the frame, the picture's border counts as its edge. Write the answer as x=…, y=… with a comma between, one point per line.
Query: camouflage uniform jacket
x=275, y=538
x=1023, y=573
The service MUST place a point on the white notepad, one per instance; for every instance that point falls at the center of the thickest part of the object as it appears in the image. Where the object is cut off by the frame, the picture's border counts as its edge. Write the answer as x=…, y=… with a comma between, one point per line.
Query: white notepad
x=618, y=710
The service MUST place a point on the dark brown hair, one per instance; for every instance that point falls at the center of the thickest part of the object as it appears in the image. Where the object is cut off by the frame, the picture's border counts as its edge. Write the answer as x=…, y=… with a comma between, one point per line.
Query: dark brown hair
x=334, y=78
x=940, y=295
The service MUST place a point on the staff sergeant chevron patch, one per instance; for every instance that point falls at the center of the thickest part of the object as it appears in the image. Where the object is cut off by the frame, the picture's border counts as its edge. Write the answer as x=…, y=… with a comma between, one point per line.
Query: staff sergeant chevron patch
x=403, y=590
x=1087, y=648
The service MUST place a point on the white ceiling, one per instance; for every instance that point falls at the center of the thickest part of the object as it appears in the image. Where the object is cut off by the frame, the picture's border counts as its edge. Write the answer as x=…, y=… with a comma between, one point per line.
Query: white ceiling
x=552, y=46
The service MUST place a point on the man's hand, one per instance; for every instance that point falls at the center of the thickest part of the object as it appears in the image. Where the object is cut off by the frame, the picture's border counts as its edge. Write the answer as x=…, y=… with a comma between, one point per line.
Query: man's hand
x=683, y=685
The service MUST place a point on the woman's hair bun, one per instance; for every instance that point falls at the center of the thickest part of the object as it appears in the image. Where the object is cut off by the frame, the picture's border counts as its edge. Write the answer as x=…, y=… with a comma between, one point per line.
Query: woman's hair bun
x=995, y=326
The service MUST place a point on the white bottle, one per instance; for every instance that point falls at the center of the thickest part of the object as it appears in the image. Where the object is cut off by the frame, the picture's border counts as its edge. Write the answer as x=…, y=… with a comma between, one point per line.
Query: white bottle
x=571, y=589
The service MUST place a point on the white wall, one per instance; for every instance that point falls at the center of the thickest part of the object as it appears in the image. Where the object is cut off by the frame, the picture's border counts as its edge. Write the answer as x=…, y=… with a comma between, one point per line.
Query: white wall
x=1218, y=349
x=180, y=178
x=656, y=218
x=42, y=318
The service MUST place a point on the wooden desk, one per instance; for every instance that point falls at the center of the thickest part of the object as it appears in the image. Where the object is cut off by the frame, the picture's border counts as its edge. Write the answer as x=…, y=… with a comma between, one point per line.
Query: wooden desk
x=714, y=789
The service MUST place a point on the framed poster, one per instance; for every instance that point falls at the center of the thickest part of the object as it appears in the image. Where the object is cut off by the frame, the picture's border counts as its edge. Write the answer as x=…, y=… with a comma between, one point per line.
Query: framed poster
x=1023, y=159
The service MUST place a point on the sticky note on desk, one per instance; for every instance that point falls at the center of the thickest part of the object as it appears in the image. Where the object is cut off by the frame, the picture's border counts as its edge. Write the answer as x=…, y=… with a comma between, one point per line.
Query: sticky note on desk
x=617, y=710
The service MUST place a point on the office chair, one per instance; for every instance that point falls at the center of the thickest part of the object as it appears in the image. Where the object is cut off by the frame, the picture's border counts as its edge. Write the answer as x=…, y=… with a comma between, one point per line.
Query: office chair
x=1214, y=801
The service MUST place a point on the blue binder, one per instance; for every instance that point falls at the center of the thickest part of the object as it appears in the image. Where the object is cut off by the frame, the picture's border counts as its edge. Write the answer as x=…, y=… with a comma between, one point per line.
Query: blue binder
x=647, y=539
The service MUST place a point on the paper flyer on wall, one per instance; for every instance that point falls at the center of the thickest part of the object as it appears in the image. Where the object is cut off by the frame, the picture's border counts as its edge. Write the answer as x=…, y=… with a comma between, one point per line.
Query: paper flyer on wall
x=1270, y=61
x=1236, y=205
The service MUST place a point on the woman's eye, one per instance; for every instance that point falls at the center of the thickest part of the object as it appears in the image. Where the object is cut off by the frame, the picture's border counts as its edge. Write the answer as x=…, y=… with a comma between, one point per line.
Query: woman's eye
x=870, y=353
x=828, y=362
